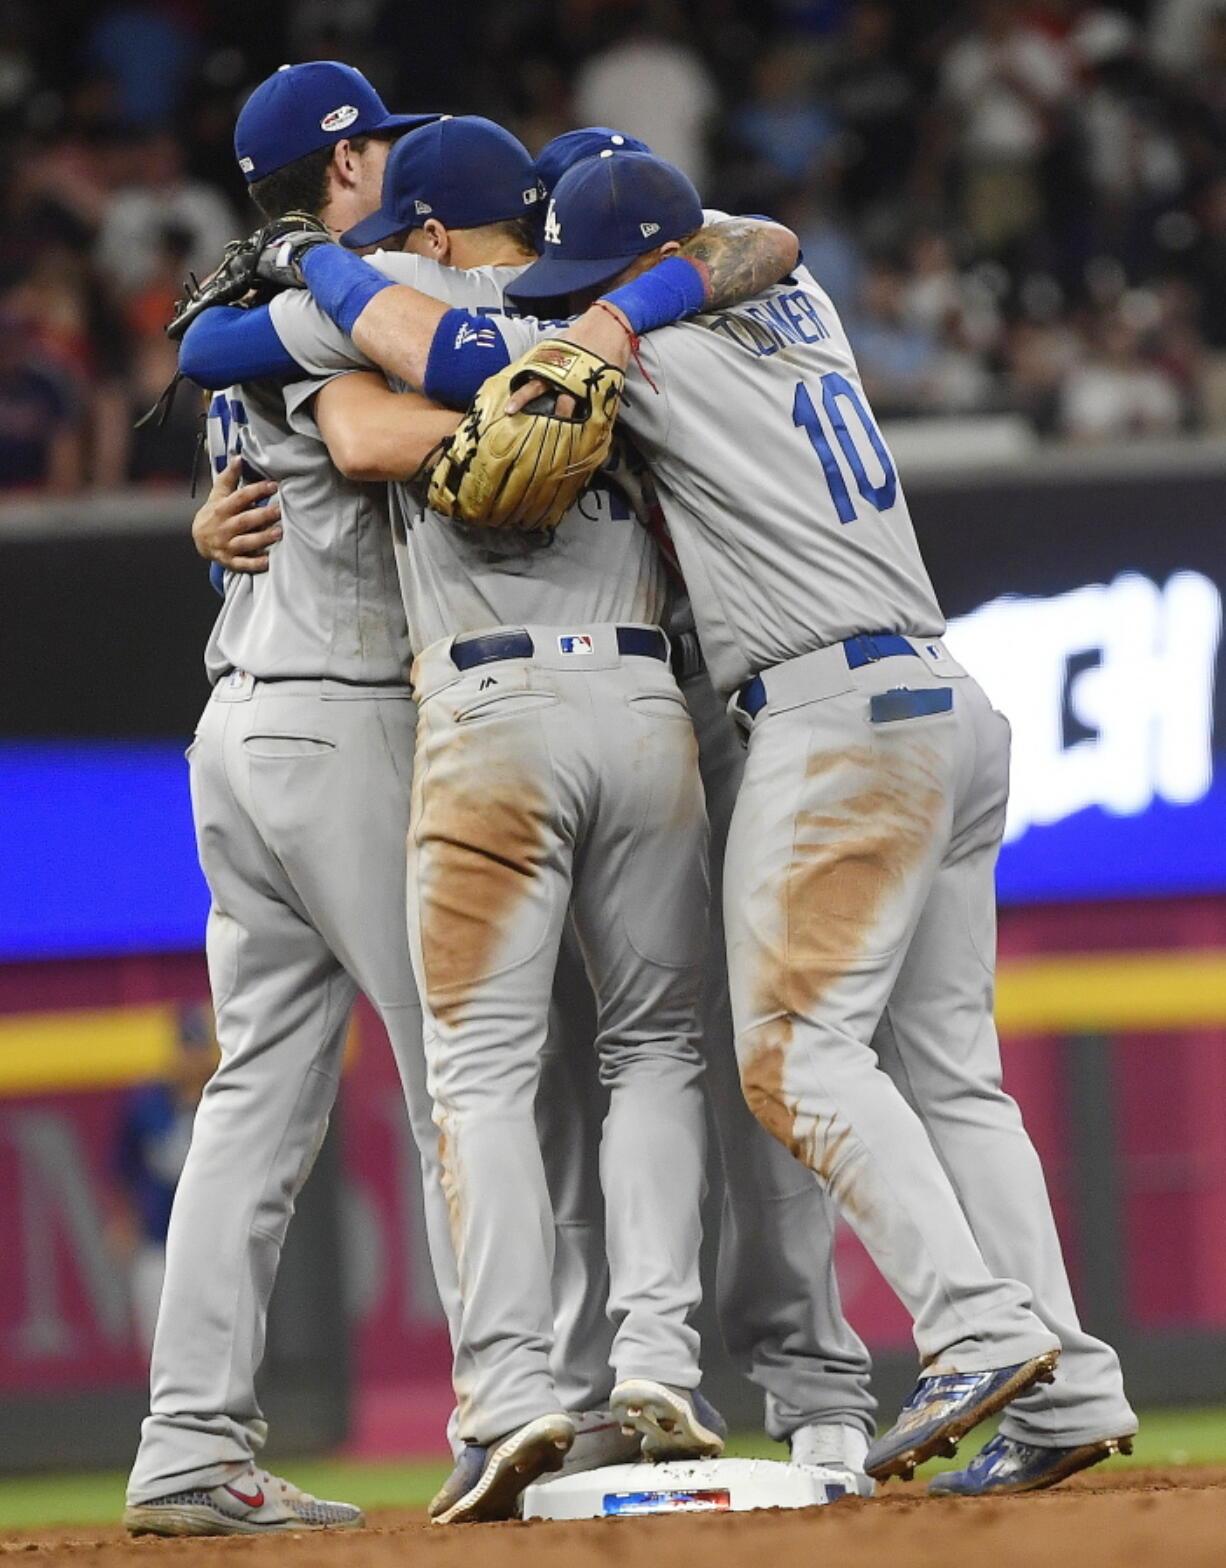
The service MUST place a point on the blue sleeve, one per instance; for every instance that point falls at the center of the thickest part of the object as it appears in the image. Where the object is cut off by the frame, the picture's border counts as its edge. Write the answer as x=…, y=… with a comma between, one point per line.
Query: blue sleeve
x=464, y=352
x=217, y=576
x=228, y=344
x=341, y=283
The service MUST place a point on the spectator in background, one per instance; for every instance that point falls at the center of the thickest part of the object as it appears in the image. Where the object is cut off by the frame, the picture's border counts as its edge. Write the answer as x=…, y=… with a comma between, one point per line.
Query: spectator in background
x=156, y=195
x=1038, y=356
x=147, y=53
x=827, y=243
x=1004, y=85
x=653, y=86
x=897, y=358
x=162, y=449
x=1177, y=32
x=151, y=1145
x=41, y=424
x=876, y=102
x=1114, y=391
x=783, y=125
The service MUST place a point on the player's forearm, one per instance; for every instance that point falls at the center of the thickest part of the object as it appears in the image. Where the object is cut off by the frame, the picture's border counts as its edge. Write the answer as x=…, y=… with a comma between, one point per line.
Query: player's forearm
x=373, y=433
x=392, y=324
x=739, y=257
x=723, y=264
x=390, y=451
x=396, y=330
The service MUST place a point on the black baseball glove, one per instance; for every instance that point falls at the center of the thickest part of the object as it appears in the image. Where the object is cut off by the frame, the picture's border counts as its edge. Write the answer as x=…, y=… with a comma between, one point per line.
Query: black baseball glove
x=256, y=266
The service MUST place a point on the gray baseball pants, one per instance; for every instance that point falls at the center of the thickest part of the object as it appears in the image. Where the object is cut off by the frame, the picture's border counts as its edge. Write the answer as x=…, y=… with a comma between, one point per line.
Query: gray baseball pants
x=300, y=792
x=541, y=784
x=776, y=1295
x=860, y=909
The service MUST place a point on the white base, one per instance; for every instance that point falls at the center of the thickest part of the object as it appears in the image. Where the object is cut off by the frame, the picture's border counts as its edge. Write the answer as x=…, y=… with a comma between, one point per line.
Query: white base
x=689, y=1486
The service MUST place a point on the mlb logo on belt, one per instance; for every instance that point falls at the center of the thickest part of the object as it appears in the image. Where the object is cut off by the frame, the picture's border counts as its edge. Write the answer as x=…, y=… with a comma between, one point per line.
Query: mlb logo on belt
x=579, y=643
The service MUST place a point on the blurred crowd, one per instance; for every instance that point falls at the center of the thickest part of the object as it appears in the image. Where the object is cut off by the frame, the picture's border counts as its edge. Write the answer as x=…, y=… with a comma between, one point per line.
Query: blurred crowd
x=1019, y=206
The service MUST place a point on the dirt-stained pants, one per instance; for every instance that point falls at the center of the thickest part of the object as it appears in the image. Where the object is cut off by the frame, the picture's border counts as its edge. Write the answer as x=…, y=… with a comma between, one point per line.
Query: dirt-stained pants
x=776, y=1296
x=860, y=912
x=562, y=779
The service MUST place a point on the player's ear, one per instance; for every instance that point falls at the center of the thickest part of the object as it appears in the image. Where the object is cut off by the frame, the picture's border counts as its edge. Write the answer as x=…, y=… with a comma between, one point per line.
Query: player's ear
x=438, y=241
x=344, y=169
x=669, y=248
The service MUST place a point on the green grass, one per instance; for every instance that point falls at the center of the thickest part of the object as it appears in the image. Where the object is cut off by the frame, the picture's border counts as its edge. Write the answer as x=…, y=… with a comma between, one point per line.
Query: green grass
x=1167, y=1437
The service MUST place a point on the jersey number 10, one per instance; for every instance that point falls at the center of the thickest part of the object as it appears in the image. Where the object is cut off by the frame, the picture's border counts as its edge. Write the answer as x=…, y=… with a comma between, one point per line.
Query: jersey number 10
x=837, y=390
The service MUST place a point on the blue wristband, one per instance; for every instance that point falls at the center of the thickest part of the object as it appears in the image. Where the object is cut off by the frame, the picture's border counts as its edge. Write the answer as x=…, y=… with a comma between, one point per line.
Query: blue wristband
x=341, y=283
x=464, y=351
x=666, y=293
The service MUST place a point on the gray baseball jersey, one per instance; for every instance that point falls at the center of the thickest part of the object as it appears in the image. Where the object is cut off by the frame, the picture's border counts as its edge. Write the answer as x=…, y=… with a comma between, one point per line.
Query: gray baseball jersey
x=763, y=450
x=328, y=607
x=597, y=566
x=561, y=778
x=858, y=890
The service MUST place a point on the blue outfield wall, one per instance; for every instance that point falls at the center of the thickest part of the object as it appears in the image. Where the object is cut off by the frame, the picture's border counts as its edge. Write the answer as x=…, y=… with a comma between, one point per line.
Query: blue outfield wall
x=97, y=854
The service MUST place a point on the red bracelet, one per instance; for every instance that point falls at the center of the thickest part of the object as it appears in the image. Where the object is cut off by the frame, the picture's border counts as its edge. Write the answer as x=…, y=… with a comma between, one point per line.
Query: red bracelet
x=613, y=311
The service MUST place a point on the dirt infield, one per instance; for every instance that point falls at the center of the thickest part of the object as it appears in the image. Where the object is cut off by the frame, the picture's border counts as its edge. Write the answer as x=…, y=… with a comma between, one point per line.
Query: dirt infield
x=1167, y=1518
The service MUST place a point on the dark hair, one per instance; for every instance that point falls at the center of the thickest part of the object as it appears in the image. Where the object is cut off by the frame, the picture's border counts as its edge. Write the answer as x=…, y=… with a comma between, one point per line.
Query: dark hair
x=521, y=232
x=301, y=186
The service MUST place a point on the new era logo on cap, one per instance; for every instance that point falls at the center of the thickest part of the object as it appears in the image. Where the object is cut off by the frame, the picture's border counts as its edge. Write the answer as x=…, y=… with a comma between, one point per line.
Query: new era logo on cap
x=463, y=172
x=605, y=213
x=580, y=643
x=340, y=119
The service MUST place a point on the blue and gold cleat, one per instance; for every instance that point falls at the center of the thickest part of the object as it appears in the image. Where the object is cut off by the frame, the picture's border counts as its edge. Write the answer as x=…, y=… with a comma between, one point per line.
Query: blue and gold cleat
x=1006, y=1465
x=487, y=1480
x=941, y=1410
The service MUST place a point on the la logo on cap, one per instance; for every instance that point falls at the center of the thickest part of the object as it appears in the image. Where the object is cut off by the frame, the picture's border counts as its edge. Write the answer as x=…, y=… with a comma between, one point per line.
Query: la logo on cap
x=553, y=229
x=339, y=119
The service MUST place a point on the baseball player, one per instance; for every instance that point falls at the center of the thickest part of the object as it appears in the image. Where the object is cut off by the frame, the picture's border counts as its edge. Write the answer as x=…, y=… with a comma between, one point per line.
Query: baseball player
x=776, y=1293
x=782, y=1313
x=555, y=767
x=859, y=895
x=300, y=796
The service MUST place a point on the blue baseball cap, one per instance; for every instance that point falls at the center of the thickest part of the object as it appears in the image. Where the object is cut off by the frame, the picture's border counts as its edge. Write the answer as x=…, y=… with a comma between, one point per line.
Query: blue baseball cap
x=301, y=108
x=604, y=213
x=572, y=147
x=465, y=171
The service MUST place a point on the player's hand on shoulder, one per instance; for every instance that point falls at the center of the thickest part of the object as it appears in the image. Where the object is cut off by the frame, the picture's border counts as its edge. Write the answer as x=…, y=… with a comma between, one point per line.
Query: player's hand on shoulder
x=238, y=524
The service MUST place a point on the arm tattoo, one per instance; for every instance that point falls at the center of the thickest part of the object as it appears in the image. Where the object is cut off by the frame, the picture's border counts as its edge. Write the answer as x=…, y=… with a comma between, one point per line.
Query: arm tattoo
x=739, y=257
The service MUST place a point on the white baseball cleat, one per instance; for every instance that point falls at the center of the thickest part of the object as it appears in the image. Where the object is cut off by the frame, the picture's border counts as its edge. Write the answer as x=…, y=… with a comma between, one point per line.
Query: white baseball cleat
x=674, y=1423
x=252, y=1503
x=838, y=1450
